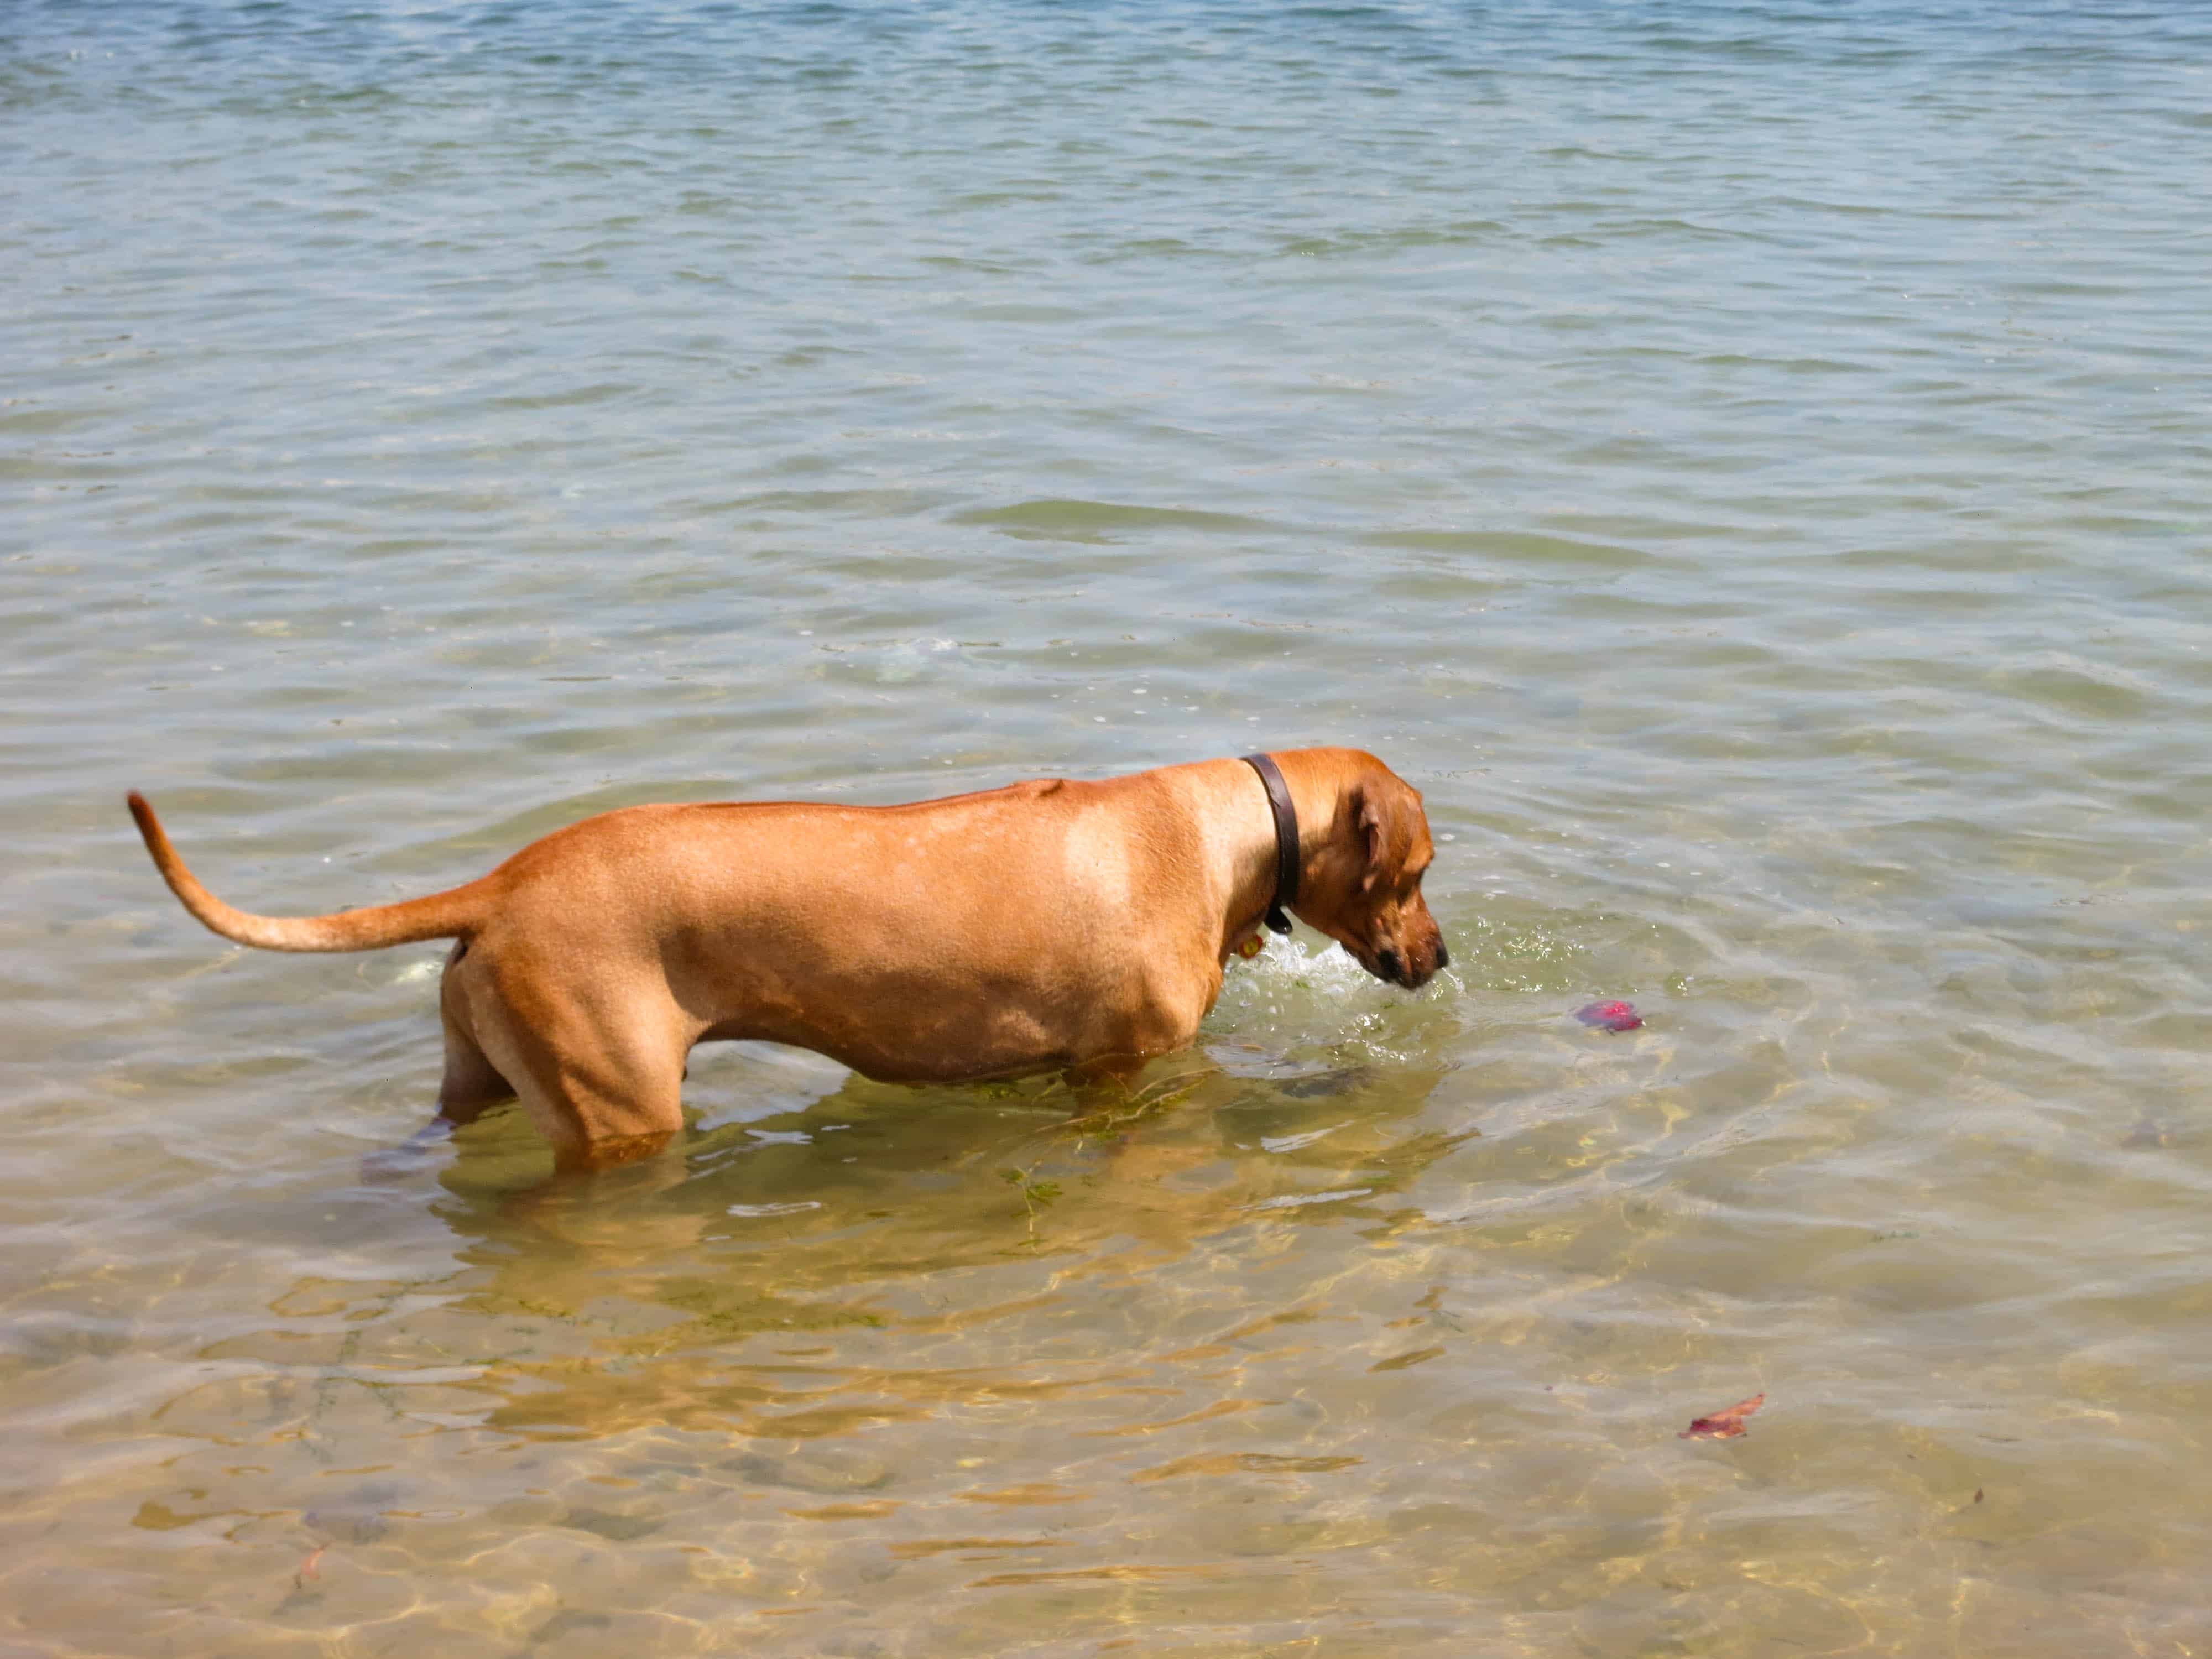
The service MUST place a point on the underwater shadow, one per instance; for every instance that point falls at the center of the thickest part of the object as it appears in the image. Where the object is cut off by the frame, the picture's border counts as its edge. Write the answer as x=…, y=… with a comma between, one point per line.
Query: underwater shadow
x=872, y=1254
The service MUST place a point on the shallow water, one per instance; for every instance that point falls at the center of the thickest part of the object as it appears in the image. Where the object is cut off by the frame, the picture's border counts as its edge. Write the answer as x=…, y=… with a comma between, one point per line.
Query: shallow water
x=1745, y=464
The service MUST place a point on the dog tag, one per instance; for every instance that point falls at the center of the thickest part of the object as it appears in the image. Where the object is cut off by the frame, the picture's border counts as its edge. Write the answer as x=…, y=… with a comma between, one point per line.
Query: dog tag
x=1251, y=947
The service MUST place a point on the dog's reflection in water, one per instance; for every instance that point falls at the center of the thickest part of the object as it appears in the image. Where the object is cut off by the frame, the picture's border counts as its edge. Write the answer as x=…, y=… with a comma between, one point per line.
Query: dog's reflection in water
x=871, y=1212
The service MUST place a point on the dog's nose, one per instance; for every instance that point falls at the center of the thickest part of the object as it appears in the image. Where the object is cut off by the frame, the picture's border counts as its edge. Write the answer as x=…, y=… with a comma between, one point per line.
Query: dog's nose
x=1444, y=957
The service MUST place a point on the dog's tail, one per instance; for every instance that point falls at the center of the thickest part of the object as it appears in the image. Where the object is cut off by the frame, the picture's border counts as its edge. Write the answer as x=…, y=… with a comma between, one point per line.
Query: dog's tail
x=442, y=915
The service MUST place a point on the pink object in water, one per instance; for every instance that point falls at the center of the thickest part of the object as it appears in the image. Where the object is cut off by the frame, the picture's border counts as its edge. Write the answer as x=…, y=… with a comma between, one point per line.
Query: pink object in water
x=1610, y=1016
x=1724, y=1425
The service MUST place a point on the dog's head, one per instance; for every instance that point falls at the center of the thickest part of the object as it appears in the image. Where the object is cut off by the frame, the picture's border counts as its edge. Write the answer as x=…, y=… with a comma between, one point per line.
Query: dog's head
x=1363, y=886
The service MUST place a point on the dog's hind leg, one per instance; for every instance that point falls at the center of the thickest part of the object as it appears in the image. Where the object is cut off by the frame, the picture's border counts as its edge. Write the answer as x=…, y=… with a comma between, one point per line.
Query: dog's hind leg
x=470, y=1085
x=612, y=1105
x=471, y=1081
x=602, y=1078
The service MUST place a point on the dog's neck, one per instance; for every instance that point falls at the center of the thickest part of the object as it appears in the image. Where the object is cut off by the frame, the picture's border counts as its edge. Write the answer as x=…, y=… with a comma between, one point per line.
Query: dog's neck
x=1252, y=887
x=1289, y=861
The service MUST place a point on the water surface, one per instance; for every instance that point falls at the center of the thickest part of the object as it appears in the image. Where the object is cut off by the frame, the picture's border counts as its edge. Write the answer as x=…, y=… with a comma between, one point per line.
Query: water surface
x=1745, y=464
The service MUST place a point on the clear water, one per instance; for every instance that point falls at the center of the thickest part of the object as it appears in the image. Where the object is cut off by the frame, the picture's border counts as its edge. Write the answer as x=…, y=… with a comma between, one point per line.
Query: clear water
x=1745, y=463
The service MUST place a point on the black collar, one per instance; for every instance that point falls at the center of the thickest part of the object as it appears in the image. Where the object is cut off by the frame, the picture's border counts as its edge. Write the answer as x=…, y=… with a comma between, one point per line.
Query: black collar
x=1287, y=840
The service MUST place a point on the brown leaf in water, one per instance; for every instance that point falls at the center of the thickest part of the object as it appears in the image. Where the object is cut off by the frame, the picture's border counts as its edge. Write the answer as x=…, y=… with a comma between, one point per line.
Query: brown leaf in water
x=1242, y=1463
x=1723, y=1426
x=1402, y=1361
x=873, y=1510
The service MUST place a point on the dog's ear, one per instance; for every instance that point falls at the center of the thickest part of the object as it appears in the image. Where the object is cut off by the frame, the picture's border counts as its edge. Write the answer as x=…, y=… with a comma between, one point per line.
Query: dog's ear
x=1379, y=813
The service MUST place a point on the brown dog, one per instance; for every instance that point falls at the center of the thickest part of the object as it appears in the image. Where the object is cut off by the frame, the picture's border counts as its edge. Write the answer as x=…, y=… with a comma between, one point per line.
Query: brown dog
x=1044, y=927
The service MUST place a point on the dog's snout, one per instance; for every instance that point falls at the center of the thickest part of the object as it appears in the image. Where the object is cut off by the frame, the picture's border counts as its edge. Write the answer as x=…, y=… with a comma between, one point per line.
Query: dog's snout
x=1444, y=957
